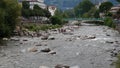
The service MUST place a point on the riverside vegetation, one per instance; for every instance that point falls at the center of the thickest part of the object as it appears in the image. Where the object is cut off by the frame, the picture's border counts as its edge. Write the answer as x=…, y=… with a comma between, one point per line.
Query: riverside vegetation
x=10, y=11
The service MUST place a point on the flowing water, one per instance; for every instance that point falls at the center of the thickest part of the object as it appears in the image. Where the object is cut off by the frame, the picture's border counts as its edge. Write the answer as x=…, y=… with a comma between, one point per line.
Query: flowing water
x=74, y=50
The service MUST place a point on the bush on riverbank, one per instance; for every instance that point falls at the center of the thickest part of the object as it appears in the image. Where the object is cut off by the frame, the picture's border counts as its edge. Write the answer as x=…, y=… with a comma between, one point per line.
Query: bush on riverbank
x=36, y=27
x=109, y=22
x=117, y=63
x=56, y=20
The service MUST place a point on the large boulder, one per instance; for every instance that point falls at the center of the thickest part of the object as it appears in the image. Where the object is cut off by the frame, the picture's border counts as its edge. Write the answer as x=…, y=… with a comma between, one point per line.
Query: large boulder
x=46, y=50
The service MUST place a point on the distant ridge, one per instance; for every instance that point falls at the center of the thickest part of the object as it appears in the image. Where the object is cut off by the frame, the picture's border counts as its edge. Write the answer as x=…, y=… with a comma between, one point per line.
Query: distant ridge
x=68, y=4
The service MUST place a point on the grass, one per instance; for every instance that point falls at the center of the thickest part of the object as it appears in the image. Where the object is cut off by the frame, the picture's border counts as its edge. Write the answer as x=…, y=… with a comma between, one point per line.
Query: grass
x=36, y=27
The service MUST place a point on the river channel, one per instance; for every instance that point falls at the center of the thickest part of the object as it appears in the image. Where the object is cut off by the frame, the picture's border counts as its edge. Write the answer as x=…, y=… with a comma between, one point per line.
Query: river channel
x=89, y=46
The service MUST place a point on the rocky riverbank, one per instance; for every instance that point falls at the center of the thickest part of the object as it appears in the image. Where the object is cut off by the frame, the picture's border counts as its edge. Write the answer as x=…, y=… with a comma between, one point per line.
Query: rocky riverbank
x=87, y=46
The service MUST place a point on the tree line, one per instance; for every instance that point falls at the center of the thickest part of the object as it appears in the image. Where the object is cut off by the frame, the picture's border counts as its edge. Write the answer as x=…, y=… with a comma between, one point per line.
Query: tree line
x=36, y=11
x=87, y=9
x=9, y=12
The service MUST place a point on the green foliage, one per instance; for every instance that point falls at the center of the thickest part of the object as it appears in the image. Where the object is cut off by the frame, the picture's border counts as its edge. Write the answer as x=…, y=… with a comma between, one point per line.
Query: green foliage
x=109, y=14
x=96, y=14
x=36, y=27
x=117, y=63
x=56, y=20
x=58, y=13
x=105, y=6
x=26, y=12
x=93, y=13
x=83, y=7
x=47, y=13
x=37, y=11
x=109, y=22
x=25, y=4
x=68, y=13
x=118, y=0
x=9, y=12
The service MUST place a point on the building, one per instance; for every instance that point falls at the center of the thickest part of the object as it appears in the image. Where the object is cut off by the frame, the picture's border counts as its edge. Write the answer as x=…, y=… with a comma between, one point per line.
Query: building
x=52, y=10
x=40, y=3
x=115, y=11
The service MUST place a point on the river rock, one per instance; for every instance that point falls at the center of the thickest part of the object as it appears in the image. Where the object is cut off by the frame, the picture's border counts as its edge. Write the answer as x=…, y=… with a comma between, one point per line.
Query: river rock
x=51, y=38
x=25, y=40
x=43, y=67
x=52, y=52
x=34, y=49
x=114, y=54
x=44, y=38
x=75, y=66
x=14, y=39
x=5, y=39
x=111, y=42
x=107, y=35
x=46, y=50
x=38, y=45
x=91, y=37
x=62, y=66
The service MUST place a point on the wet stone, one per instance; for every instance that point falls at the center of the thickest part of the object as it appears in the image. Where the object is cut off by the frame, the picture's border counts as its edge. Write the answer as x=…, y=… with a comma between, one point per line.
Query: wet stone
x=107, y=35
x=43, y=67
x=52, y=52
x=114, y=54
x=44, y=38
x=75, y=66
x=46, y=50
x=32, y=49
x=51, y=38
x=91, y=37
x=25, y=40
x=5, y=39
x=62, y=66
x=21, y=43
x=111, y=42
x=38, y=45
x=14, y=39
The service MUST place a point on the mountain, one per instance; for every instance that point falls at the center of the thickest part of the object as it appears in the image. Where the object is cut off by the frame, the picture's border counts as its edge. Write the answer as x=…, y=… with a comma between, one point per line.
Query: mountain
x=69, y=4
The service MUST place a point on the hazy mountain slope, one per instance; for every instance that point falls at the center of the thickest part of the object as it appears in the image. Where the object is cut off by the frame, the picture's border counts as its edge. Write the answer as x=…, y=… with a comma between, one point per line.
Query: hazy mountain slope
x=68, y=4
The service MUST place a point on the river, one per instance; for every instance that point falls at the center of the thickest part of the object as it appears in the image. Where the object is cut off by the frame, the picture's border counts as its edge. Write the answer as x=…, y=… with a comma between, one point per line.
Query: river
x=89, y=46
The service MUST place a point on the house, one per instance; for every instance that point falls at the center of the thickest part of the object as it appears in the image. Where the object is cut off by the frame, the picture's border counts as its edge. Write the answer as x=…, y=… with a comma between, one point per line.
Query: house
x=52, y=10
x=40, y=3
x=115, y=11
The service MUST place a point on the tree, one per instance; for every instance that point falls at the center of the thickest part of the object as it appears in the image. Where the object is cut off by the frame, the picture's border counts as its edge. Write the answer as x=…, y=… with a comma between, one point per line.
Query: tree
x=68, y=13
x=41, y=12
x=47, y=13
x=36, y=11
x=94, y=13
x=58, y=13
x=118, y=0
x=9, y=12
x=25, y=4
x=25, y=9
x=83, y=7
x=105, y=6
x=56, y=20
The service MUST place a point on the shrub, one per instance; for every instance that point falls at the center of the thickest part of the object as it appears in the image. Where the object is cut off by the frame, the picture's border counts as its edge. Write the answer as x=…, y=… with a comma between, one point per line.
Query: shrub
x=109, y=22
x=56, y=20
x=35, y=27
x=117, y=63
